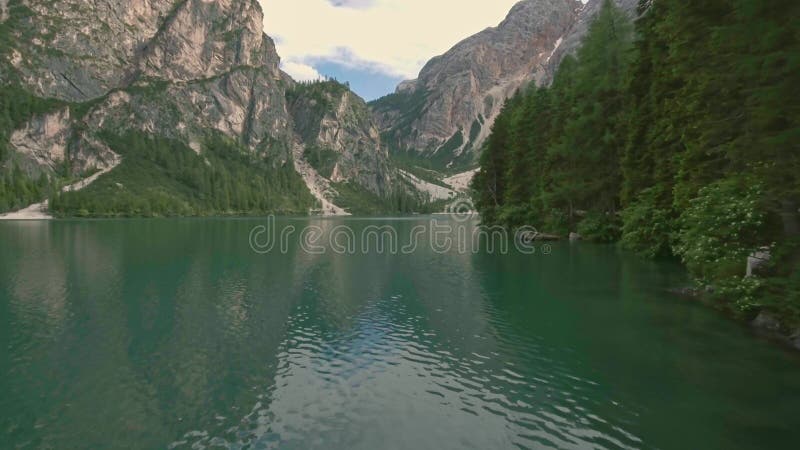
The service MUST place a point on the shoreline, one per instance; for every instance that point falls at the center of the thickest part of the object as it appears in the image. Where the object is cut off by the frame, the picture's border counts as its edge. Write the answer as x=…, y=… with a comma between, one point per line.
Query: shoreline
x=763, y=324
x=34, y=212
x=39, y=211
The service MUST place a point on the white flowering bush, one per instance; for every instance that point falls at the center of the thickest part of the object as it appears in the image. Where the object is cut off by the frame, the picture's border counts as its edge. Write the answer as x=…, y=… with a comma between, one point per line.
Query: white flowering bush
x=722, y=227
x=744, y=293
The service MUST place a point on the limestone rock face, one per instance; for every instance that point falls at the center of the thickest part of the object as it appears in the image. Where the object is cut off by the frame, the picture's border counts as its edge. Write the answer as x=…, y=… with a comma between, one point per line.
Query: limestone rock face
x=175, y=68
x=44, y=139
x=447, y=113
x=334, y=118
x=180, y=69
x=82, y=49
x=453, y=103
x=202, y=39
x=78, y=50
x=572, y=40
x=3, y=10
x=43, y=143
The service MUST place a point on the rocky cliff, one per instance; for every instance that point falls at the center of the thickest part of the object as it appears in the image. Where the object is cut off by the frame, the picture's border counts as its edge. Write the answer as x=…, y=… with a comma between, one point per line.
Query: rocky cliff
x=572, y=40
x=181, y=69
x=193, y=69
x=330, y=119
x=447, y=113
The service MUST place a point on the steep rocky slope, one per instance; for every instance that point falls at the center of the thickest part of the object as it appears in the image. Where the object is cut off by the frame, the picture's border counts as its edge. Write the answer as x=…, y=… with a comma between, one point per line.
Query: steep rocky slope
x=179, y=69
x=196, y=70
x=572, y=40
x=334, y=122
x=449, y=109
x=182, y=69
x=447, y=113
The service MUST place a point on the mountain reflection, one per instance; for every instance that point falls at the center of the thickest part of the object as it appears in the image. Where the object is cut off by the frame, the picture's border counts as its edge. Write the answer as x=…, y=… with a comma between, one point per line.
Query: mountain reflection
x=179, y=335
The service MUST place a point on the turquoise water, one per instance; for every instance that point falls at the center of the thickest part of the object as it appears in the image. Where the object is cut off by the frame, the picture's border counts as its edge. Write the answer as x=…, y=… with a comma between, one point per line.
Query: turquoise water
x=176, y=334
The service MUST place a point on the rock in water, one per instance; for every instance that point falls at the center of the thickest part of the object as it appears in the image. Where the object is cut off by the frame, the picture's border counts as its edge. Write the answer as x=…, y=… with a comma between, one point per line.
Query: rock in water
x=767, y=322
x=574, y=237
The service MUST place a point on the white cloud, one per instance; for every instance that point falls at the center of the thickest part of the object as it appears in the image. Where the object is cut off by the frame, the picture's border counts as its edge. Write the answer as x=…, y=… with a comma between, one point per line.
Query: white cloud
x=394, y=37
x=300, y=71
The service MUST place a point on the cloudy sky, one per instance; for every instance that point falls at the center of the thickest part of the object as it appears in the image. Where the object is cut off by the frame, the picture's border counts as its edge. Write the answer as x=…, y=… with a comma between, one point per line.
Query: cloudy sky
x=373, y=44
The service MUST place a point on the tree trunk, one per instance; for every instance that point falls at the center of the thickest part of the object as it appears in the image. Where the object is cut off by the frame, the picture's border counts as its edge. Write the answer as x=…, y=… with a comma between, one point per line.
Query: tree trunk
x=791, y=222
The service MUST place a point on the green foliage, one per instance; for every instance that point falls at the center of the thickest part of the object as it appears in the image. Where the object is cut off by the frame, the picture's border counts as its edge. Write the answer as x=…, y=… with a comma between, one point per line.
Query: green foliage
x=721, y=228
x=17, y=187
x=14, y=28
x=600, y=227
x=686, y=130
x=554, y=151
x=781, y=287
x=161, y=178
x=453, y=144
x=410, y=105
x=320, y=92
x=744, y=293
x=647, y=227
x=424, y=174
x=359, y=201
x=441, y=161
x=17, y=106
x=322, y=159
x=475, y=130
x=489, y=185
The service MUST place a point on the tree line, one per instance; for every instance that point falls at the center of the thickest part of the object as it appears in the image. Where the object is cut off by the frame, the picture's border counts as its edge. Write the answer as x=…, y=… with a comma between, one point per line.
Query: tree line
x=18, y=188
x=675, y=135
x=161, y=177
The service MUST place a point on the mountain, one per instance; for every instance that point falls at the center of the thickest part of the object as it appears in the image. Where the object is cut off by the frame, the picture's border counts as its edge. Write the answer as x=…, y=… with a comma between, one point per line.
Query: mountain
x=183, y=103
x=336, y=125
x=445, y=115
x=191, y=71
x=572, y=40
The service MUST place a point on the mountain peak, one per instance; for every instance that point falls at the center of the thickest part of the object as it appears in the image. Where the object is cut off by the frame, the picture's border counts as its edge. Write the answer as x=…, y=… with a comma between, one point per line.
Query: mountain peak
x=465, y=88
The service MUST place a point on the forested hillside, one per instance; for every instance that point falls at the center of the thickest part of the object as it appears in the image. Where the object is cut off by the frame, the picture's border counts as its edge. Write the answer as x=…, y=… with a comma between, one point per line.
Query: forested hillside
x=162, y=177
x=17, y=187
x=677, y=135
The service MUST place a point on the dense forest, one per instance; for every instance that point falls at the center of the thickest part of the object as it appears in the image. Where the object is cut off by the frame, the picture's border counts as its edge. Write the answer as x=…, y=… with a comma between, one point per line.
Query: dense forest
x=17, y=187
x=162, y=177
x=677, y=135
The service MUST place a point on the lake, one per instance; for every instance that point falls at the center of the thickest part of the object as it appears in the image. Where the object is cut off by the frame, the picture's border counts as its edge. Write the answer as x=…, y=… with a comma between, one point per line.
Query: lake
x=198, y=333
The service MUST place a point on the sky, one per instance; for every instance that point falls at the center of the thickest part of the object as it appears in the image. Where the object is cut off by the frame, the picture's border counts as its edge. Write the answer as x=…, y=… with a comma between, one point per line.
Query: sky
x=372, y=44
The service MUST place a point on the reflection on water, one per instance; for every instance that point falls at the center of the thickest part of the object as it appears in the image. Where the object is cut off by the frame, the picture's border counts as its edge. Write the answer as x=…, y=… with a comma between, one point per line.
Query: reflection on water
x=156, y=334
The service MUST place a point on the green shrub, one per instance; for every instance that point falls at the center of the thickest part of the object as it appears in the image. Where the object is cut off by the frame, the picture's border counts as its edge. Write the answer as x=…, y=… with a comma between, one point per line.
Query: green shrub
x=646, y=227
x=323, y=160
x=160, y=177
x=600, y=227
x=721, y=228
